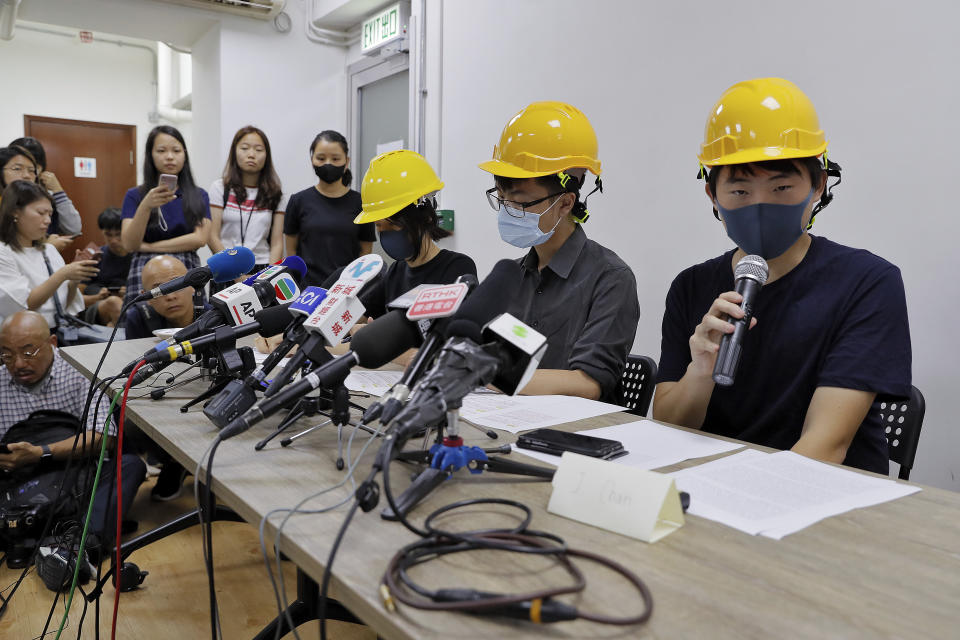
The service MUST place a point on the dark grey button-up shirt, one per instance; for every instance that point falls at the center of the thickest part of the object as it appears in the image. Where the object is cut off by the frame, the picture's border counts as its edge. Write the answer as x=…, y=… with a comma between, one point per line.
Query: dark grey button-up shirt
x=585, y=302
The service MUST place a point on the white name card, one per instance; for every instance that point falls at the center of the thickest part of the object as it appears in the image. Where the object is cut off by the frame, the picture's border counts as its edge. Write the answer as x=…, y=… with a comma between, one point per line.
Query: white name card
x=633, y=502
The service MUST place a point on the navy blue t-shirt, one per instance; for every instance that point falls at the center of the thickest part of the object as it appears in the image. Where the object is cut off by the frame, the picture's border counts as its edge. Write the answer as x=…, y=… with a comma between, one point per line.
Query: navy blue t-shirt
x=172, y=213
x=838, y=319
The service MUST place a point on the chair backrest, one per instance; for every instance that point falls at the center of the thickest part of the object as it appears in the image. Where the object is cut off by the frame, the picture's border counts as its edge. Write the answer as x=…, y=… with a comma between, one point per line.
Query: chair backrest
x=902, y=422
x=637, y=383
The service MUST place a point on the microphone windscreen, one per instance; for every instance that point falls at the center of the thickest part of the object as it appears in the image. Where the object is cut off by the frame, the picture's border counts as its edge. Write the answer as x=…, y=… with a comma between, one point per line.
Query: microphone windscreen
x=230, y=264
x=273, y=320
x=295, y=263
x=491, y=297
x=463, y=328
x=753, y=267
x=384, y=339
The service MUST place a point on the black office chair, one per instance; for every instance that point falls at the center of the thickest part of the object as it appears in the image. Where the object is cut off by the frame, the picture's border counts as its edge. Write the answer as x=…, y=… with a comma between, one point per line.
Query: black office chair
x=637, y=383
x=901, y=424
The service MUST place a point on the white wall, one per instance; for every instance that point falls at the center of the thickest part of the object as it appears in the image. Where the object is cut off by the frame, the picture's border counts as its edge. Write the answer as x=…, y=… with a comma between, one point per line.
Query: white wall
x=882, y=75
x=245, y=72
x=49, y=75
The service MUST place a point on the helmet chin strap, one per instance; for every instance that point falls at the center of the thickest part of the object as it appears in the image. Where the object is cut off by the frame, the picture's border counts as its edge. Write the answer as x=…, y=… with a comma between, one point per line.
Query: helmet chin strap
x=572, y=184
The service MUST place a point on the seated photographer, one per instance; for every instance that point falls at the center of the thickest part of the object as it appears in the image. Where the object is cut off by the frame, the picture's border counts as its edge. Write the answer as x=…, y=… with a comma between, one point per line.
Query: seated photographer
x=36, y=378
x=173, y=310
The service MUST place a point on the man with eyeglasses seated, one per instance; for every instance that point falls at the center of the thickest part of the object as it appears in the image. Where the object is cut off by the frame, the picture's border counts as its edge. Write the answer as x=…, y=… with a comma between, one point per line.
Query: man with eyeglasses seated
x=576, y=292
x=34, y=378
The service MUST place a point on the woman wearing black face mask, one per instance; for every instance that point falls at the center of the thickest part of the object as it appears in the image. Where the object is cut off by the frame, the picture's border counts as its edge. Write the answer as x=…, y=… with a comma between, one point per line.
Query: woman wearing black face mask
x=398, y=196
x=318, y=225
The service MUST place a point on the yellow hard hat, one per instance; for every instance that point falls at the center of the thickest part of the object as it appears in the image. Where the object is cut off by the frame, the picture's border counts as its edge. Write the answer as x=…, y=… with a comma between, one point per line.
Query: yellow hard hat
x=761, y=119
x=544, y=138
x=394, y=180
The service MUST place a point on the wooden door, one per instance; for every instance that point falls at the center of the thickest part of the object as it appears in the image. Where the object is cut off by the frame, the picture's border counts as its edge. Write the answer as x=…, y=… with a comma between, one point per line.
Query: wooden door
x=112, y=146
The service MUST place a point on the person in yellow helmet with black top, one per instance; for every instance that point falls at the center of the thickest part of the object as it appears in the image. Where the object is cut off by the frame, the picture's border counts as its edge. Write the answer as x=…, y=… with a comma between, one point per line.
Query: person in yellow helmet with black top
x=830, y=327
x=397, y=195
x=577, y=293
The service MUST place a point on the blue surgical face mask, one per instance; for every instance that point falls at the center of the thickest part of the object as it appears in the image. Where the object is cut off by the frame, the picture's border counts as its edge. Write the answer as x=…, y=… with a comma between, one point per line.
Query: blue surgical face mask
x=397, y=245
x=765, y=229
x=522, y=229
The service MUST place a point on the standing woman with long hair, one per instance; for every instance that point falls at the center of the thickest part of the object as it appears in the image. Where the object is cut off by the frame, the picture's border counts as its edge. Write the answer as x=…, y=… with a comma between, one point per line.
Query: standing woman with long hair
x=158, y=219
x=247, y=202
x=318, y=225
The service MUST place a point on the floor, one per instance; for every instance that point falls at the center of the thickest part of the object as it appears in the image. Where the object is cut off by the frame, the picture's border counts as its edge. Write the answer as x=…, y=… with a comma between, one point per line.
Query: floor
x=173, y=602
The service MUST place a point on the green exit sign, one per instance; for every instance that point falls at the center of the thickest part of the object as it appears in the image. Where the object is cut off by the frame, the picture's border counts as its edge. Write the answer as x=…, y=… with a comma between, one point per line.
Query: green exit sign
x=386, y=26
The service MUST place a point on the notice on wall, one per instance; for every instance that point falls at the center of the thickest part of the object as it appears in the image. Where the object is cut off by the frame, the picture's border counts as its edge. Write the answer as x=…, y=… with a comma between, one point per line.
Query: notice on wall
x=393, y=145
x=84, y=167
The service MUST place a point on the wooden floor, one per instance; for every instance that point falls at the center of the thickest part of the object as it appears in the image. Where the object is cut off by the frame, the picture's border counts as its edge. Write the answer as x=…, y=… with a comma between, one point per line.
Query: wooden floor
x=172, y=603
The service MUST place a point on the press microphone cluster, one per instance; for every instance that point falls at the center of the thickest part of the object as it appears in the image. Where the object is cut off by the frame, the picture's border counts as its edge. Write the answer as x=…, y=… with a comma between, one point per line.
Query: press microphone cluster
x=321, y=318
x=483, y=345
x=224, y=266
x=372, y=346
x=749, y=276
x=233, y=306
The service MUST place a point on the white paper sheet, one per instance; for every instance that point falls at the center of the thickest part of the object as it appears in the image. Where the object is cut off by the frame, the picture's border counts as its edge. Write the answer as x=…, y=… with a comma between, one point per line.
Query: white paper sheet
x=651, y=445
x=376, y=383
x=260, y=357
x=780, y=493
x=522, y=413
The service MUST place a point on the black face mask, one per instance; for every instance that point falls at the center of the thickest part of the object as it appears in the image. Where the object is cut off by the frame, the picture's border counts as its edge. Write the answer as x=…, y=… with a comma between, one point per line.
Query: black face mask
x=329, y=173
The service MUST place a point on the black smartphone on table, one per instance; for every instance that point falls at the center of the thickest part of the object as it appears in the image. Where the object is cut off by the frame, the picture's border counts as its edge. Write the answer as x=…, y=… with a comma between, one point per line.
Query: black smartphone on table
x=556, y=442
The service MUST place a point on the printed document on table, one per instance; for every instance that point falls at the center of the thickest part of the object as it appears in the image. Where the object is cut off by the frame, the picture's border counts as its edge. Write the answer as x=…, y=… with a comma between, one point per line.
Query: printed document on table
x=522, y=413
x=779, y=493
x=651, y=445
x=376, y=383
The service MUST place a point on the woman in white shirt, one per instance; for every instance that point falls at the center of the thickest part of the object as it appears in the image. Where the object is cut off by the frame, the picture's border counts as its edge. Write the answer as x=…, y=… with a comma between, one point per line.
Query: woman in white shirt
x=25, y=278
x=247, y=203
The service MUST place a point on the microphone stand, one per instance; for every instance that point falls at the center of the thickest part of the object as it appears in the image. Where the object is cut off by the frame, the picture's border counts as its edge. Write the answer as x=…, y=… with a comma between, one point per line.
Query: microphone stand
x=447, y=455
x=339, y=416
x=231, y=363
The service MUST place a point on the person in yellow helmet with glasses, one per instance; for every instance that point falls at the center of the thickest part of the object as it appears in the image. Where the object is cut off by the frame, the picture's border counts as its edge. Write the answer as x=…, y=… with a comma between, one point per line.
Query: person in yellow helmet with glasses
x=397, y=195
x=577, y=293
x=829, y=329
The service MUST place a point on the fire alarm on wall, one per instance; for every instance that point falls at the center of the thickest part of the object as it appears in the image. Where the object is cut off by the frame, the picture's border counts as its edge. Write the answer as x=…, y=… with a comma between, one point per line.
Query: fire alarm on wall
x=86, y=36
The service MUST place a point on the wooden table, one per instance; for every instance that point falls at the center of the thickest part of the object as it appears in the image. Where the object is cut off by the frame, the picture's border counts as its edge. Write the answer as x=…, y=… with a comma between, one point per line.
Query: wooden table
x=892, y=570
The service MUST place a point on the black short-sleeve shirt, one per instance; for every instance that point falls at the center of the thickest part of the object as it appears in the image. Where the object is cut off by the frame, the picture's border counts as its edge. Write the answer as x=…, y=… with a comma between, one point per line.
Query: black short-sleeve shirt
x=444, y=268
x=327, y=238
x=838, y=319
x=113, y=272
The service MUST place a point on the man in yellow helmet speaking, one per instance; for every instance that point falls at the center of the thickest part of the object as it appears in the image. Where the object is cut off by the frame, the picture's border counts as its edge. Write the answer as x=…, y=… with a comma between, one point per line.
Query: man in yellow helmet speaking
x=829, y=329
x=579, y=294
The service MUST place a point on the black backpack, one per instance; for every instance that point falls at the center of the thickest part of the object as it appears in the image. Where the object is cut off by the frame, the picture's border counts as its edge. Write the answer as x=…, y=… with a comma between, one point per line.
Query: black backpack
x=29, y=494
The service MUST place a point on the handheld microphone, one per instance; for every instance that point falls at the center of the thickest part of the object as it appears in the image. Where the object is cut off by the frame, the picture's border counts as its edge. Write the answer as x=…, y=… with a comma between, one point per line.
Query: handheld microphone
x=749, y=276
x=221, y=267
x=238, y=396
x=373, y=346
x=267, y=322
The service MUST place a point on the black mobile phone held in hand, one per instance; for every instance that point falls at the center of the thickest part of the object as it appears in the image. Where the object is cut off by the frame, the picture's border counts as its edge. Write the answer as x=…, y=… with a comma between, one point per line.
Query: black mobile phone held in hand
x=556, y=442
x=4, y=448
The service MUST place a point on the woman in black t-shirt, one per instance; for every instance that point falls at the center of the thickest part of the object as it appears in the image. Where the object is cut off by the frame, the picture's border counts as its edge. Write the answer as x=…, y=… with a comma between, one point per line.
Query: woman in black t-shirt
x=398, y=196
x=318, y=225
